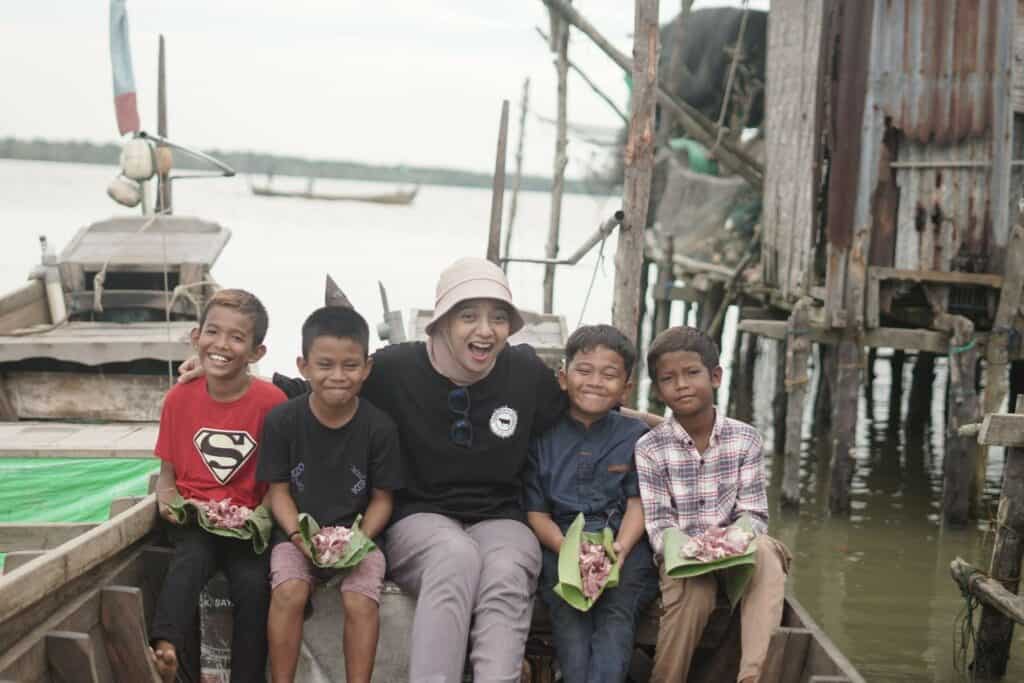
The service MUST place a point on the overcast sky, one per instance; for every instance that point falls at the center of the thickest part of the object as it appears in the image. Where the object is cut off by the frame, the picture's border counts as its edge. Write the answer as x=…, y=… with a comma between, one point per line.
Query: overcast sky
x=381, y=81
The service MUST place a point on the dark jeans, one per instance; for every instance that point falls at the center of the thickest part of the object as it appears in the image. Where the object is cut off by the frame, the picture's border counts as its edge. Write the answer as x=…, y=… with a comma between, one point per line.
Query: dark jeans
x=596, y=646
x=197, y=556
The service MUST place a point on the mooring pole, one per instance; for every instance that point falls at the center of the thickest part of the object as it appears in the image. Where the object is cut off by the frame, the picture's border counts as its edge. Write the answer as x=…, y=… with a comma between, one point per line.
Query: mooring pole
x=960, y=451
x=524, y=106
x=560, y=45
x=995, y=631
x=639, y=163
x=498, y=188
x=798, y=349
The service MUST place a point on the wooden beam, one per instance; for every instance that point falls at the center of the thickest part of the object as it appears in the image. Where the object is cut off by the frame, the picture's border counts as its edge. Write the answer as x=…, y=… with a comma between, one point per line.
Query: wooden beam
x=39, y=535
x=798, y=349
x=696, y=124
x=937, y=277
x=498, y=188
x=70, y=655
x=524, y=106
x=16, y=559
x=1002, y=429
x=885, y=337
x=987, y=590
x=123, y=619
x=560, y=40
x=20, y=589
x=639, y=161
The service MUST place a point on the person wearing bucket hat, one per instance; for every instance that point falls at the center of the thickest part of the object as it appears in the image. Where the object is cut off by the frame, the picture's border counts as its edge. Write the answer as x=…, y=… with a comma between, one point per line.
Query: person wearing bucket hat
x=466, y=404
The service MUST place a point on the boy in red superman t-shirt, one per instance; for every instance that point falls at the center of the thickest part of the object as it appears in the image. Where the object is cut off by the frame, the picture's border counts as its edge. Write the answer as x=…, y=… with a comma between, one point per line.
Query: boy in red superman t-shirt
x=208, y=443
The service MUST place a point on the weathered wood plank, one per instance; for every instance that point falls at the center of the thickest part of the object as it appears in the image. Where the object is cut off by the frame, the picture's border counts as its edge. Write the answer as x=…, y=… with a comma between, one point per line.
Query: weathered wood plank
x=797, y=382
x=880, y=337
x=15, y=536
x=169, y=241
x=40, y=577
x=119, y=505
x=793, y=100
x=120, y=397
x=1002, y=429
x=122, y=616
x=65, y=440
x=987, y=589
x=24, y=307
x=962, y=409
x=71, y=657
x=98, y=343
x=14, y=560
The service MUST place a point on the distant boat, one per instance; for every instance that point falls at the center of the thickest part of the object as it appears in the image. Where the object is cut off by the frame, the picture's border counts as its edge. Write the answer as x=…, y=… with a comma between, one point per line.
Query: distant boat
x=399, y=197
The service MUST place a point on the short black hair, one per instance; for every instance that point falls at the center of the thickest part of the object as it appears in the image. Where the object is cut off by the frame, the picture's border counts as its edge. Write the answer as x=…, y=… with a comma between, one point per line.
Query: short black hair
x=338, y=322
x=589, y=337
x=682, y=338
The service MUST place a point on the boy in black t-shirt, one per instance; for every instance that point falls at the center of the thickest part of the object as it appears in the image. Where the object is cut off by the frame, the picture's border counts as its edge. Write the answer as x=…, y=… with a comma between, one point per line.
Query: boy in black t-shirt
x=333, y=456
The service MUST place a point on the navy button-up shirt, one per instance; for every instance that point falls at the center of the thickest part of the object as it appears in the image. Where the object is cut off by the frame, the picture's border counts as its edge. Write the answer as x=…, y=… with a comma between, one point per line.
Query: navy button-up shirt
x=573, y=469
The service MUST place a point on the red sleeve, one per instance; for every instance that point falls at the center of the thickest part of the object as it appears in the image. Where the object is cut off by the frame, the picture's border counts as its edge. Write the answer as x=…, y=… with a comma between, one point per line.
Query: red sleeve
x=165, y=435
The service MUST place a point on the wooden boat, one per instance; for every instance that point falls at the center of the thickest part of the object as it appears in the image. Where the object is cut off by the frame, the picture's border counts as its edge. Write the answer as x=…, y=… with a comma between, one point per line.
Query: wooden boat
x=75, y=598
x=397, y=198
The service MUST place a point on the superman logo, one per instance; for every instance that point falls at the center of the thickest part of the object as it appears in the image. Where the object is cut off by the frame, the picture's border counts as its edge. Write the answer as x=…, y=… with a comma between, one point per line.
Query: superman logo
x=224, y=451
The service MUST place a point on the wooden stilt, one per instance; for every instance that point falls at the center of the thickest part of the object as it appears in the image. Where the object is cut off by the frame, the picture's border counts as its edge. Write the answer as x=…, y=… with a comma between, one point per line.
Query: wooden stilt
x=957, y=466
x=1016, y=381
x=639, y=168
x=822, y=393
x=709, y=306
x=735, y=371
x=498, y=188
x=744, y=403
x=849, y=356
x=798, y=348
x=869, y=382
x=560, y=45
x=662, y=312
x=779, y=402
x=919, y=403
x=995, y=631
x=524, y=106
x=896, y=363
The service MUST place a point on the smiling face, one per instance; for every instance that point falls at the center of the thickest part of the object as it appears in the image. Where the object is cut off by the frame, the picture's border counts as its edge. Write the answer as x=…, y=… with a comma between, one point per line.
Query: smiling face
x=686, y=385
x=477, y=330
x=596, y=381
x=226, y=343
x=336, y=368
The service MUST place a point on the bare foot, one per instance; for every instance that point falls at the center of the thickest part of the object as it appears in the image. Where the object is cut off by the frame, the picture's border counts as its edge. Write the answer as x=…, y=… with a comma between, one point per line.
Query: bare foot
x=165, y=658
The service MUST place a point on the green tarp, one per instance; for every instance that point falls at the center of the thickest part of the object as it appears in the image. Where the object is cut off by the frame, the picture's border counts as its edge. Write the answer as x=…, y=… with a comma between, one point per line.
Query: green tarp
x=68, y=489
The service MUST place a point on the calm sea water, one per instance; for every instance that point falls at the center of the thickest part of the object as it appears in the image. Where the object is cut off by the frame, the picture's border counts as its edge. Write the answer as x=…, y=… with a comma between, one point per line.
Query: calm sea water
x=877, y=582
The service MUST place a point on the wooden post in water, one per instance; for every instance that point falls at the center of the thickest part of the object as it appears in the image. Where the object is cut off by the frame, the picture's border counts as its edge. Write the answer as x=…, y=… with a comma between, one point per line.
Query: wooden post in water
x=825, y=372
x=869, y=381
x=743, y=401
x=957, y=466
x=662, y=310
x=995, y=631
x=524, y=106
x=639, y=161
x=779, y=406
x=498, y=187
x=560, y=45
x=997, y=357
x=919, y=402
x=798, y=349
x=846, y=387
x=896, y=362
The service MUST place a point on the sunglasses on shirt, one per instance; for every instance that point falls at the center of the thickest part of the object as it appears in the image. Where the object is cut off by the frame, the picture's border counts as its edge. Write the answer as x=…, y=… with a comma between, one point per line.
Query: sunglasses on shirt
x=461, y=432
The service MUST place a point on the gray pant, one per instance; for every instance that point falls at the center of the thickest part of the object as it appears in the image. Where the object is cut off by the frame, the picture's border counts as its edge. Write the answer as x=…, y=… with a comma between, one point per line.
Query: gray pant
x=482, y=574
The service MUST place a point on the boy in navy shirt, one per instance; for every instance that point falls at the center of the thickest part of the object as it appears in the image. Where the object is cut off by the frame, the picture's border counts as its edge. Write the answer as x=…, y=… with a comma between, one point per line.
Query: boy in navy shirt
x=585, y=464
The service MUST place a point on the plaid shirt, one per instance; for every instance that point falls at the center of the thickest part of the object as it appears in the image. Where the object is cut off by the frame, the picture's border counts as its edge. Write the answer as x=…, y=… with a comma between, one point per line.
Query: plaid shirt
x=692, y=491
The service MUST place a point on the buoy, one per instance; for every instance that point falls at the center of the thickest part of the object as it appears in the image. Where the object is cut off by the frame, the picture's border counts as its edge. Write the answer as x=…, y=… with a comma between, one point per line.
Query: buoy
x=138, y=160
x=125, y=191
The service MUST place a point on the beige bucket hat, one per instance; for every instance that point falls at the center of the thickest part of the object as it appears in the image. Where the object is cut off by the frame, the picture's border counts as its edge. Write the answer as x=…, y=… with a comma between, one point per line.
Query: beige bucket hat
x=473, y=278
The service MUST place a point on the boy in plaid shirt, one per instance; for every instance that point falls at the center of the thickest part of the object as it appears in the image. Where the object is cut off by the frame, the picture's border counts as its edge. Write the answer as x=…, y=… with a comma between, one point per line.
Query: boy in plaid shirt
x=697, y=470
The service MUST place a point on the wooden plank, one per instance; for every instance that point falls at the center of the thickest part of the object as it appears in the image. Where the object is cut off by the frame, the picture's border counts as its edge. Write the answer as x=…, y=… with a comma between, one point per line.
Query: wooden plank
x=71, y=657
x=84, y=301
x=937, y=277
x=987, y=590
x=119, y=397
x=119, y=505
x=787, y=654
x=881, y=337
x=1002, y=429
x=122, y=616
x=66, y=440
x=793, y=100
x=14, y=560
x=168, y=241
x=24, y=307
x=16, y=536
x=823, y=657
x=99, y=343
x=7, y=412
x=44, y=575
x=560, y=45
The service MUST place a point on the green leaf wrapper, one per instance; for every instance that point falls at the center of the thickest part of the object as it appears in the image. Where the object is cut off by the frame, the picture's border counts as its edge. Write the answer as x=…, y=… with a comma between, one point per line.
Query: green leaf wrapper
x=257, y=525
x=736, y=570
x=570, y=581
x=359, y=544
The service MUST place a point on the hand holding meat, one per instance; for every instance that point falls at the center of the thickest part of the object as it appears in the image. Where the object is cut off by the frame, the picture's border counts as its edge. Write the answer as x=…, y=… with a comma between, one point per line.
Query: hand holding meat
x=717, y=543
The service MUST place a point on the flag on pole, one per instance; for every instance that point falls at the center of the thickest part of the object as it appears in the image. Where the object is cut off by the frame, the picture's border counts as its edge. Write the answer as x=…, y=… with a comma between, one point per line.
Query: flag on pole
x=121, y=65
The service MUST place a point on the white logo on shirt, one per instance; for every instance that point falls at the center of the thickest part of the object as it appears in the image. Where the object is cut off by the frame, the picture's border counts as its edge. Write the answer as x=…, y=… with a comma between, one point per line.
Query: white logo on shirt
x=503, y=422
x=224, y=451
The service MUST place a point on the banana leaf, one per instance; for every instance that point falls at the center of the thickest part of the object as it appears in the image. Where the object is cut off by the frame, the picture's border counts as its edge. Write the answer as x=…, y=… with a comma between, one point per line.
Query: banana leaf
x=736, y=570
x=570, y=581
x=359, y=545
x=257, y=527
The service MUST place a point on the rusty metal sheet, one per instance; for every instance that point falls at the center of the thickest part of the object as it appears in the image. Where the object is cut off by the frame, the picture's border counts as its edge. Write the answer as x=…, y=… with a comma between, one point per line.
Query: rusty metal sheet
x=936, y=65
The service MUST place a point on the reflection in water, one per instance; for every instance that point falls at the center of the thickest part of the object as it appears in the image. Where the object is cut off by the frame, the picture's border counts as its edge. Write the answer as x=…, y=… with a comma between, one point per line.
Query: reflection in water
x=878, y=582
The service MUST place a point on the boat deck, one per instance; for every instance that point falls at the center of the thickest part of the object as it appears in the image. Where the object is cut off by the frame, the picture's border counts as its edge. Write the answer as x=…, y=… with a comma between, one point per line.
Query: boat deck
x=95, y=343
x=71, y=440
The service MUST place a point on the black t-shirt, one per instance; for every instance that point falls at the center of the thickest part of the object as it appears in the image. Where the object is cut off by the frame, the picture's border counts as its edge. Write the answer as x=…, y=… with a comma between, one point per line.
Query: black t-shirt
x=331, y=471
x=518, y=399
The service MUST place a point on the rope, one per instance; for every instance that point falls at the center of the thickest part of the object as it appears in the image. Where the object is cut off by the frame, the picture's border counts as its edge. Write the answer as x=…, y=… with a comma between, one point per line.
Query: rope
x=97, y=281
x=953, y=350
x=965, y=644
x=593, y=277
